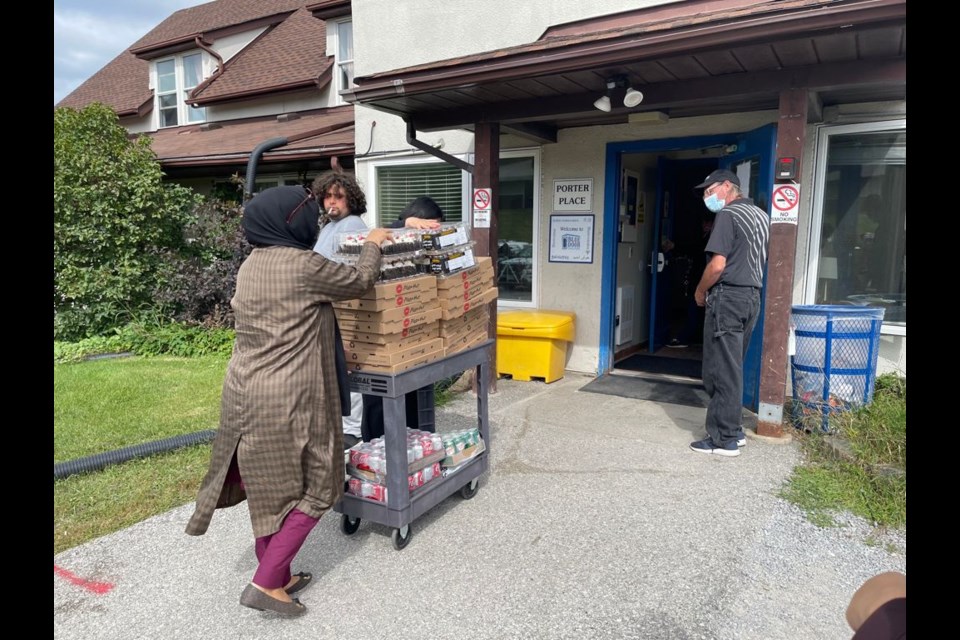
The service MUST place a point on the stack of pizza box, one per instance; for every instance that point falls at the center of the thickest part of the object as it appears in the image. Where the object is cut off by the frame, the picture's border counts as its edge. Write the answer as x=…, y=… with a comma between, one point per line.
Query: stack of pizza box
x=408, y=321
x=393, y=327
x=464, y=298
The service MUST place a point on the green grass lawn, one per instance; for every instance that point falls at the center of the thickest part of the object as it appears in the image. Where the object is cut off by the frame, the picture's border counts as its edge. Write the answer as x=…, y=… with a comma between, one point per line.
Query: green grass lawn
x=103, y=405
x=869, y=478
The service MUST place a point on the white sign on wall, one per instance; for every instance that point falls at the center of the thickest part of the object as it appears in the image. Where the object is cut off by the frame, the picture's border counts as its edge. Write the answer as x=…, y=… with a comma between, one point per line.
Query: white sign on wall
x=571, y=238
x=785, y=204
x=482, y=198
x=573, y=195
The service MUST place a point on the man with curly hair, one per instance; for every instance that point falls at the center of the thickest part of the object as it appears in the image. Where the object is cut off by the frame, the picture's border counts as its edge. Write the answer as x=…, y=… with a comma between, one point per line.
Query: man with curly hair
x=343, y=202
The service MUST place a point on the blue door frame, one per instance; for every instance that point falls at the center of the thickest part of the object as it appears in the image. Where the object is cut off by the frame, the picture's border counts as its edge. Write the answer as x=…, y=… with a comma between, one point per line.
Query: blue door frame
x=763, y=141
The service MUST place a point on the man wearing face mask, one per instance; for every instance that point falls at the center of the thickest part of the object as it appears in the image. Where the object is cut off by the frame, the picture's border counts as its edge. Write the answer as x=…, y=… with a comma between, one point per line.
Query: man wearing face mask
x=730, y=290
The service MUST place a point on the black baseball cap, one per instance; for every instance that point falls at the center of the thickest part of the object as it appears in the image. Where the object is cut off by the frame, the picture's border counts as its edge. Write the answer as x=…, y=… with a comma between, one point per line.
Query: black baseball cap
x=719, y=175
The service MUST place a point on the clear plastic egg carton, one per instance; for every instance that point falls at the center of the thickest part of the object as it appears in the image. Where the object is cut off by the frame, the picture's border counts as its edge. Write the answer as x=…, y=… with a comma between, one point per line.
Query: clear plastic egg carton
x=401, y=241
x=448, y=235
x=448, y=261
x=392, y=267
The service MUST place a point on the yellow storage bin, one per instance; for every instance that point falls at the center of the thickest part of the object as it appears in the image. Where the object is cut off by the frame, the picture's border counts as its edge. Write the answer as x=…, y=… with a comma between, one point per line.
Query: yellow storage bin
x=533, y=344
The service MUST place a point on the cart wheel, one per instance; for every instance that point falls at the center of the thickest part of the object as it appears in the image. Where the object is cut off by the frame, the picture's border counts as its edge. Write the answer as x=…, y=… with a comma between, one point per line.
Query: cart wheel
x=401, y=537
x=470, y=489
x=348, y=526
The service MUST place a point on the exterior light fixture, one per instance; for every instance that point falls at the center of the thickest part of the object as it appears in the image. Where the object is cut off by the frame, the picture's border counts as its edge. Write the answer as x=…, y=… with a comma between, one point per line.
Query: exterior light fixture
x=631, y=98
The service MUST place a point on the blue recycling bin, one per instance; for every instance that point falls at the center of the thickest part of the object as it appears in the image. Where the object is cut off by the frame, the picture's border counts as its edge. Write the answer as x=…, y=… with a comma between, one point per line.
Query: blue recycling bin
x=834, y=365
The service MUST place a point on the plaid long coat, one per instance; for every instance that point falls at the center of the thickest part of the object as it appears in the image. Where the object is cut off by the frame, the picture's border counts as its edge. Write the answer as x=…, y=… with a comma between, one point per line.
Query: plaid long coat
x=280, y=408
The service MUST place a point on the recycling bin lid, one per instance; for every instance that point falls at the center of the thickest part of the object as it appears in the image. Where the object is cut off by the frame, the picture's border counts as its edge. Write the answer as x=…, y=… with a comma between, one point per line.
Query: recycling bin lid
x=831, y=310
x=536, y=323
x=534, y=319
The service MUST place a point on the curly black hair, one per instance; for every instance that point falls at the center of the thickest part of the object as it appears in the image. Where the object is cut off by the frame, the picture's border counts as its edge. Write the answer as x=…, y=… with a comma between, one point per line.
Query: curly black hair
x=355, y=197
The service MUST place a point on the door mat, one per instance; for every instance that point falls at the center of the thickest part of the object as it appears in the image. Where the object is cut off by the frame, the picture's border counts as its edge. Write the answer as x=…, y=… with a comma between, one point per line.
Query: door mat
x=687, y=395
x=686, y=367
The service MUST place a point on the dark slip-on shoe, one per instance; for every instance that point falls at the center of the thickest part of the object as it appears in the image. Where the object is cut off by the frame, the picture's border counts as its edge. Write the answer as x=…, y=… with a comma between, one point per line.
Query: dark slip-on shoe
x=256, y=599
x=302, y=583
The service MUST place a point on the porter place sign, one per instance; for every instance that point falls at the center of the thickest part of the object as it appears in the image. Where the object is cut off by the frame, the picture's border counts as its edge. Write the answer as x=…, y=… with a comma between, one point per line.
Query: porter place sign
x=573, y=195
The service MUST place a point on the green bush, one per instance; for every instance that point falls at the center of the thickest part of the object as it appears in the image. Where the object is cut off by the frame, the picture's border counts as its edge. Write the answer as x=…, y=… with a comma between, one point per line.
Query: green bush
x=97, y=345
x=114, y=218
x=149, y=336
x=203, y=275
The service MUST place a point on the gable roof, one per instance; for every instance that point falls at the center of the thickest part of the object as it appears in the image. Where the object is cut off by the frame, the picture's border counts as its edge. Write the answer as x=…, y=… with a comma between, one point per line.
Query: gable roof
x=289, y=56
x=292, y=60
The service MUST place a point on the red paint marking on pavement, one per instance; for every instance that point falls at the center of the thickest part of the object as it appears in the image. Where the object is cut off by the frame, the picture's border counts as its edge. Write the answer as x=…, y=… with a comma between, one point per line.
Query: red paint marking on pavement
x=96, y=587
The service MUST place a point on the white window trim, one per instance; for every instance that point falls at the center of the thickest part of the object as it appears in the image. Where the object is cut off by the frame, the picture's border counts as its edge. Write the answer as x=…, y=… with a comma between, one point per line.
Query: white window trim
x=335, y=37
x=816, y=220
x=183, y=108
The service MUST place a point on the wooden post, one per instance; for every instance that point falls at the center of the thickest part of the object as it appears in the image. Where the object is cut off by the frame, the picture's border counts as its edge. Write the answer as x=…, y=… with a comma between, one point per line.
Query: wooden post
x=791, y=132
x=486, y=174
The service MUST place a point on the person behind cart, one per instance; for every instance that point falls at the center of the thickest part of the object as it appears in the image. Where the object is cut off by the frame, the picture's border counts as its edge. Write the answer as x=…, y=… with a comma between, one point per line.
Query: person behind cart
x=279, y=441
x=422, y=213
x=343, y=203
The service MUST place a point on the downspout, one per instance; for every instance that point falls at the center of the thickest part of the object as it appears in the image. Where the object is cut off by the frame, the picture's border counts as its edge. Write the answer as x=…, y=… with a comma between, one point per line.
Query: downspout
x=273, y=143
x=423, y=146
x=255, y=155
x=213, y=76
x=199, y=42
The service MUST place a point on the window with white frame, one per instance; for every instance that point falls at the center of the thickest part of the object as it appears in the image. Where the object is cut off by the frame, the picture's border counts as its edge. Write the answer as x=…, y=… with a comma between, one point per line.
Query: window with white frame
x=176, y=77
x=344, y=58
x=859, y=239
x=517, y=225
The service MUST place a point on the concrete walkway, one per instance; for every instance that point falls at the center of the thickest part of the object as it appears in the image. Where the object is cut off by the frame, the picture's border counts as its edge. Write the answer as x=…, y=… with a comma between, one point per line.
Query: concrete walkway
x=595, y=521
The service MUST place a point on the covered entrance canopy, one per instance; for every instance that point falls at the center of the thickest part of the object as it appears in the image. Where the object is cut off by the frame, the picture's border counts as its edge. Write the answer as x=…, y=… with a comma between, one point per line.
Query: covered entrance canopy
x=687, y=58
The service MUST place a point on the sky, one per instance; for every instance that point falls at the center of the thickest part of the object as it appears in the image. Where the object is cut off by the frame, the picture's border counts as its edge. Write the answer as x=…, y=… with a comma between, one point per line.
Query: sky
x=87, y=34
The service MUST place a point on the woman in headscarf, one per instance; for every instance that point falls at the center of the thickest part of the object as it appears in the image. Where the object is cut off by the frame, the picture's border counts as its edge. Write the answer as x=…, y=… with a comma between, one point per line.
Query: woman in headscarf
x=280, y=444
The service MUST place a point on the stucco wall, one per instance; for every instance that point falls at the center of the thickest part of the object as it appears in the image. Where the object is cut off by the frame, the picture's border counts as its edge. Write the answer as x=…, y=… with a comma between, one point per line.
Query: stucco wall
x=386, y=38
x=391, y=35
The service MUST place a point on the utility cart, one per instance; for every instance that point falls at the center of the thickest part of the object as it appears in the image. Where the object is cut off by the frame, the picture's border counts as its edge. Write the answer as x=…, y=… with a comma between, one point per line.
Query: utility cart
x=403, y=506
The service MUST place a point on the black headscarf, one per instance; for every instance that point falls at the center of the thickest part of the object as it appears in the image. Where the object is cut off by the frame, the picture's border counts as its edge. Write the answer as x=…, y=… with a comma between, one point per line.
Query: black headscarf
x=286, y=216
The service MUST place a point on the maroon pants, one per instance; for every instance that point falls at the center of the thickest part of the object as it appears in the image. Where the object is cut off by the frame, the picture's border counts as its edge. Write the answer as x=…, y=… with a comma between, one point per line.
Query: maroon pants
x=276, y=551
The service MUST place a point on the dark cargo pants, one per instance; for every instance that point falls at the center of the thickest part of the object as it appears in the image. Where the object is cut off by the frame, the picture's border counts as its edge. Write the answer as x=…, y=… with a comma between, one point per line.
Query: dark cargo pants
x=731, y=313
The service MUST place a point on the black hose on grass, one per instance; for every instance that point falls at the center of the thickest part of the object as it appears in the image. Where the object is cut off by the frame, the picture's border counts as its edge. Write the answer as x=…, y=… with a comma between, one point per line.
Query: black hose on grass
x=101, y=460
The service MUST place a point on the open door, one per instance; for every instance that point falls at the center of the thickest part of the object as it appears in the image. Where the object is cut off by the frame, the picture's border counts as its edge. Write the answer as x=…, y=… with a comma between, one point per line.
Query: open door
x=657, y=263
x=753, y=163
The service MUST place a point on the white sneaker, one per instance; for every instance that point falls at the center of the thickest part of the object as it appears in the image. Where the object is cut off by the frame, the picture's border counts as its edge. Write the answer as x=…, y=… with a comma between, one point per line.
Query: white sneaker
x=742, y=442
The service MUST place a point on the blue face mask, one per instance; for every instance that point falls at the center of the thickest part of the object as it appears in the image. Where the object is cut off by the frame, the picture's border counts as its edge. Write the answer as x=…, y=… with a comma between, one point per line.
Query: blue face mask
x=714, y=203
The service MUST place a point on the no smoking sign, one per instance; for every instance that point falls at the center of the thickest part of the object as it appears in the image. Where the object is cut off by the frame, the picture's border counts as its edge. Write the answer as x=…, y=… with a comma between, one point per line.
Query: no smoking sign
x=785, y=204
x=481, y=207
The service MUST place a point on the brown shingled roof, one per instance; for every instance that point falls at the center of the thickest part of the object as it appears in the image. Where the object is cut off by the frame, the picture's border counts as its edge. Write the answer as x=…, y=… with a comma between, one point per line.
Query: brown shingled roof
x=220, y=14
x=123, y=84
x=318, y=133
x=287, y=57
